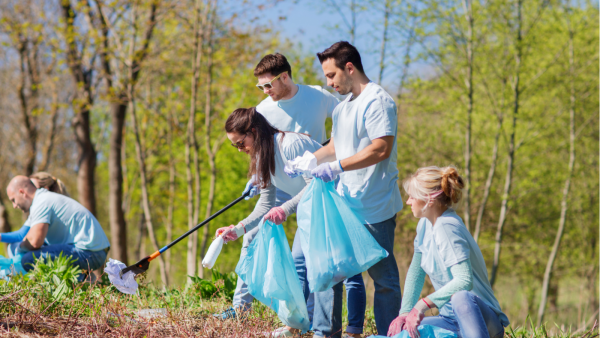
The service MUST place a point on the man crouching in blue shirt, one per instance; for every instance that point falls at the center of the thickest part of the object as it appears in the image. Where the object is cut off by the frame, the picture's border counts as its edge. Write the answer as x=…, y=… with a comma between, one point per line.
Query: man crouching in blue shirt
x=61, y=222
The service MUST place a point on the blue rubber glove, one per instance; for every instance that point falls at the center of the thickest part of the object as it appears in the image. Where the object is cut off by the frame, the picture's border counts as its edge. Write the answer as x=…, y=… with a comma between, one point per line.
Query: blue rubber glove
x=328, y=171
x=252, y=188
x=292, y=173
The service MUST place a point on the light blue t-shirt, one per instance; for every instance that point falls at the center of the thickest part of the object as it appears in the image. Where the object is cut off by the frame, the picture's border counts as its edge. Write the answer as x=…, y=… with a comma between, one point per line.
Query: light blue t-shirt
x=304, y=113
x=449, y=243
x=371, y=192
x=288, y=148
x=68, y=221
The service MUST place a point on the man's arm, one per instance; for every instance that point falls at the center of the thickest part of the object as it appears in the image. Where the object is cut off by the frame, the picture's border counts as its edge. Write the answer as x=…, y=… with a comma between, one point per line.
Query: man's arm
x=379, y=150
x=326, y=154
x=35, y=237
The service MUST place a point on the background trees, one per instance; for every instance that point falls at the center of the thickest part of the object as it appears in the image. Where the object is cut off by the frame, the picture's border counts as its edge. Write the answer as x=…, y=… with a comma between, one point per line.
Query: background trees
x=506, y=88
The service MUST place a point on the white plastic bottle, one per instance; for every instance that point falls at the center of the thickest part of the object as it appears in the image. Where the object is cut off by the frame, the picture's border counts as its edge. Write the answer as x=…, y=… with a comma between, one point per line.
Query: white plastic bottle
x=213, y=253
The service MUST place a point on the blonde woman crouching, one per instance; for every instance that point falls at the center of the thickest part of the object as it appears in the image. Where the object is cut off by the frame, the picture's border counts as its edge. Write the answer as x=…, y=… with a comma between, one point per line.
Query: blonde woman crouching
x=447, y=253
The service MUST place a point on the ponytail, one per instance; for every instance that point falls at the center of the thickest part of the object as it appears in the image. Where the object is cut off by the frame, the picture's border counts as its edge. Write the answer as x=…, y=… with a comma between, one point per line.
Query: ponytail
x=50, y=182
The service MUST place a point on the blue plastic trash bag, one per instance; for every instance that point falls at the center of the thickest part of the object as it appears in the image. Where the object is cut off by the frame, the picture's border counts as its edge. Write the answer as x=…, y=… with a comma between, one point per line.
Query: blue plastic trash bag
x=425, y=331
x=335, y=243
x=10, y=267
x=269, y=271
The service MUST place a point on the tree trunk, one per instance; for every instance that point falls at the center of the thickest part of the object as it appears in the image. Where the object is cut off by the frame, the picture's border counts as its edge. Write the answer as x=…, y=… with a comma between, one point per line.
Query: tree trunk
x=210, y=149
x=564, y=203
x=49, y=145
x=488, y=182
x=468, y=8
x=4, y=221
x=81, y=121
x=193, y=174
x=511, y=150
x=87, y=159
x=118, y=226
x=171, y=206
x=28, y=100
x=118, y=108
x=144, y=185
x=384, y=39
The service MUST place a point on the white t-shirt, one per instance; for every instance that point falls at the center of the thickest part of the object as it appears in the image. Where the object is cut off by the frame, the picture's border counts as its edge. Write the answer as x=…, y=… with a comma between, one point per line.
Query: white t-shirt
x=304, y=113
x=449, y=243
x=68, y=221
x=371, y=192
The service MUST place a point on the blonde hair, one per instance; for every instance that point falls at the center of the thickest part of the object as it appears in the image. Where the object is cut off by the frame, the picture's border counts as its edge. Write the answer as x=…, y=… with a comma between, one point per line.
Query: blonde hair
x=50, y=182
x=435, y=184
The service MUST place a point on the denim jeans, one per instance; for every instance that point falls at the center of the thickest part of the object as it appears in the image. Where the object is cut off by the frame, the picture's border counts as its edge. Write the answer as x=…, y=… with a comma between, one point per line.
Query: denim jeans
x=85, y=259
x=473, y=318
x=386, y=278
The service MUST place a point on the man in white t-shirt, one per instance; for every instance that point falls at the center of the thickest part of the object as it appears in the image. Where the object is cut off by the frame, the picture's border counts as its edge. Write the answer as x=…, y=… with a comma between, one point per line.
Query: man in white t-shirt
x=363, y=153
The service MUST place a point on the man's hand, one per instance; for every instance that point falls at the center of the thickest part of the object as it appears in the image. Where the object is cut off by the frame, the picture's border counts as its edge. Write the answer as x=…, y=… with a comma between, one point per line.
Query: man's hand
x=252, y=188
x=327, y=171
x=397, y=325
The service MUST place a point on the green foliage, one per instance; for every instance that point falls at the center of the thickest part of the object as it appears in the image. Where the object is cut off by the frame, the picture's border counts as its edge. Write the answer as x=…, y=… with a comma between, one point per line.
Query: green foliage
x=221, y=285
x=57, y=276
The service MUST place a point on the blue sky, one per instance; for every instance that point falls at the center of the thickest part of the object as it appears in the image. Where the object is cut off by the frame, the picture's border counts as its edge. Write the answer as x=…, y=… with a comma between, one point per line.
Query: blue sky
x=315, y=24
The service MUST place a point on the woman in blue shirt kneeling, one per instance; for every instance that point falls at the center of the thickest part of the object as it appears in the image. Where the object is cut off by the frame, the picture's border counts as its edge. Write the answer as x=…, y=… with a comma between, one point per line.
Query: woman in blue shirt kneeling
x=448, y=254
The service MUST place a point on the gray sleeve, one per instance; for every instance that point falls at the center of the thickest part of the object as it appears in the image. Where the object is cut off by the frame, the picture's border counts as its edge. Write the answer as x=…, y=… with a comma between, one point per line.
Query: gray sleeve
x=264, y=204
x=290, y=206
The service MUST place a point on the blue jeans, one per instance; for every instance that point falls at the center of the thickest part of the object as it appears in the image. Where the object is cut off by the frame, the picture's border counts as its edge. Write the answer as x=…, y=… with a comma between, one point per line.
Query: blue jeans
x=386, y=278
x=355, y=289
x=84, y=259
x=474, y=318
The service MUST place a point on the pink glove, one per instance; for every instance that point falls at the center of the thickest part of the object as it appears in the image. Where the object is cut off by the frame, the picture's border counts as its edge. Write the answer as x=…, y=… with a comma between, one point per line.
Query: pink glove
x=231, y=233
x=397, y=325
x=276, y=215
x=412, y=322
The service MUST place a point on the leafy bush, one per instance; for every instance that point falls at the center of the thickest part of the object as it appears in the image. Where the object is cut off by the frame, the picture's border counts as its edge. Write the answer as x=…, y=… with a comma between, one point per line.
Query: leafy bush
x=221, y=285
x=57, y=276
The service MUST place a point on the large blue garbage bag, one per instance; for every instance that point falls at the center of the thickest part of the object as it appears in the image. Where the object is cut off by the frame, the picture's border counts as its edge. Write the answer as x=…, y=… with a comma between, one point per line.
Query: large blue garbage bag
x=270, y=273
x=425, y=331
x=335, y=243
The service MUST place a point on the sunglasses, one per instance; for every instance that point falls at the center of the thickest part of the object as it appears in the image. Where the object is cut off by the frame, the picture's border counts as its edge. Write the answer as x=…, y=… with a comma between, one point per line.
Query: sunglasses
x=240, y=145
x=269, y=84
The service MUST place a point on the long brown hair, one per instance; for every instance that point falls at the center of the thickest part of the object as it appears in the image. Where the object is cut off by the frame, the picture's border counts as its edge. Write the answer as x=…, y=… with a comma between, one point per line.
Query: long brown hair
x=262, y=156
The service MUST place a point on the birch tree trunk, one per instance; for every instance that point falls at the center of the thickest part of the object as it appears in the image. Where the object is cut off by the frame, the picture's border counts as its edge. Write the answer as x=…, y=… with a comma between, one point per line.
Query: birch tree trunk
x=468, y=8
x=384, y=39
x=564, y=202
x=171, y=206
x=144, y=185
x=488, y=182
x=211, y=148
x=511, y=147
x=193, y=176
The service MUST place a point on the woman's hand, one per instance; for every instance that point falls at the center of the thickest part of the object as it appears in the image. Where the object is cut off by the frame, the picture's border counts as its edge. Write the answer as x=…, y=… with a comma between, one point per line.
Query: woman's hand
x=276, y=215
x=397, y=325
x=413, y=320
x=231, y=233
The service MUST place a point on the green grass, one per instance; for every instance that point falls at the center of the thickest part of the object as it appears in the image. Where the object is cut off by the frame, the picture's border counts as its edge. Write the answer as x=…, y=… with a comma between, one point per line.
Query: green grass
x=50, y=302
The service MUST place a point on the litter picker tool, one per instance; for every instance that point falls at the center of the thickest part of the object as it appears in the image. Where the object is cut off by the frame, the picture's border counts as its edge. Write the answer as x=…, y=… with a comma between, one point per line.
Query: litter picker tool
x=142, y=265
